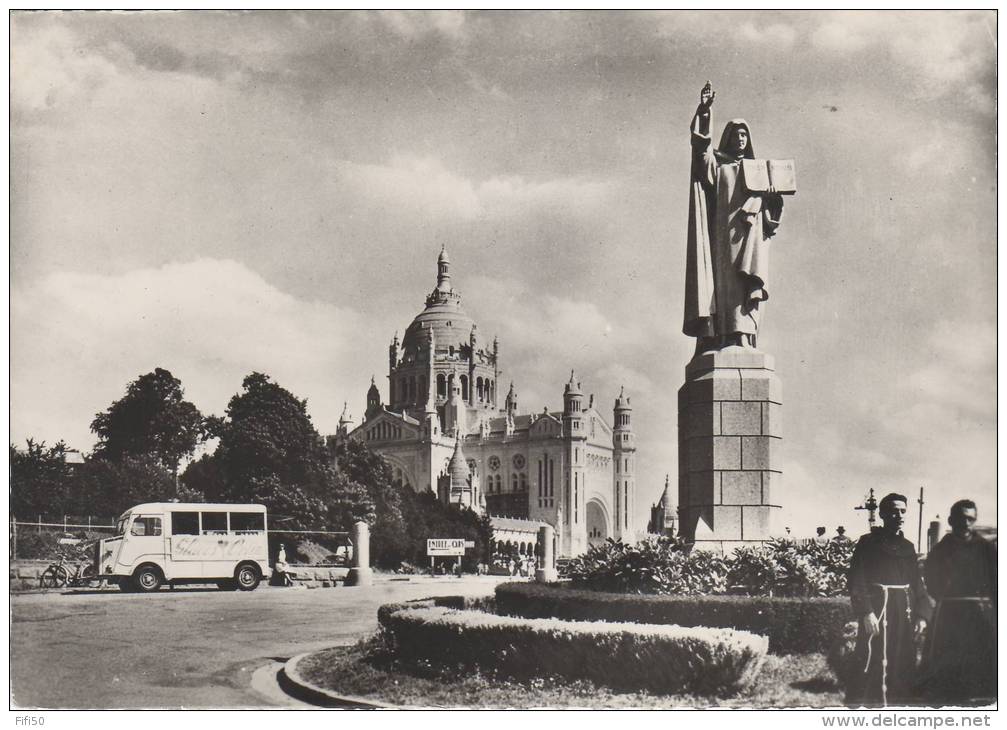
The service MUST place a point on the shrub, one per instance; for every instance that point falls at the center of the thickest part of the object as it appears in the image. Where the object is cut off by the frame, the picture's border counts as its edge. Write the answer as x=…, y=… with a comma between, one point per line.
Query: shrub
x=658, y=565
x=625, y=656
x=668, y=566
x=793, y=625
x=786, y=568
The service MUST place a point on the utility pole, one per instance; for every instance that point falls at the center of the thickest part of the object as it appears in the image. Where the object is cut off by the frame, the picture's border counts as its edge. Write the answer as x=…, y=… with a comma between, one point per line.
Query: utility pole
x=919, y=529
x=871, y=505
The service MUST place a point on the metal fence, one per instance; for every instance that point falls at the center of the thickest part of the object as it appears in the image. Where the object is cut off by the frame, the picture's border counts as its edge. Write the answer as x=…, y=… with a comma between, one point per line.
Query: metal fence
x=68, y=523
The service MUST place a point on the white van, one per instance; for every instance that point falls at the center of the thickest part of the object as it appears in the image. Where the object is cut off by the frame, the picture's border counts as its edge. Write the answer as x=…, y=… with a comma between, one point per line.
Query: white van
x=175, y=542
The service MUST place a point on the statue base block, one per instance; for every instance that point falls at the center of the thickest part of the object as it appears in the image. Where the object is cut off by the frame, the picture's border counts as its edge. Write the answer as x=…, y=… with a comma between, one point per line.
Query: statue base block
x=729, y=457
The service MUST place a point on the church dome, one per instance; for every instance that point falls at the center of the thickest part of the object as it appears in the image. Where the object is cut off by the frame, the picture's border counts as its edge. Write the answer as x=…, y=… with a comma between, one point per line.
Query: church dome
x=443, y=316
x=449, y=323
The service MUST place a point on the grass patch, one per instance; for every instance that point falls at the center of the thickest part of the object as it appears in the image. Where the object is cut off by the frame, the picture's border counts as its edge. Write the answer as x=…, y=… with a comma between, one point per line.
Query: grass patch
x=367, y=670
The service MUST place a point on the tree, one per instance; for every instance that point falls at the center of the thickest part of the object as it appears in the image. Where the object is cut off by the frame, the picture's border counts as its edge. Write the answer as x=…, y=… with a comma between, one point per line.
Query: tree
x=152, y=418
x=39, y=479
x=360, y=468
x=405, y=519
x=102, y=487
x=268, y=432
x=270, y=452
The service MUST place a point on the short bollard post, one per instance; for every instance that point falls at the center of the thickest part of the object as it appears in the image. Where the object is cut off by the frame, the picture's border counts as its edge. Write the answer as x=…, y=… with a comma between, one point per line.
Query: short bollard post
x=361, y=574
x=546, y=572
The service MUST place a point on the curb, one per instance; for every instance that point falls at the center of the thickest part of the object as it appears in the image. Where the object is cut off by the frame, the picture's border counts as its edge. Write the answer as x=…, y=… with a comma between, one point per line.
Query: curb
x=293, y=683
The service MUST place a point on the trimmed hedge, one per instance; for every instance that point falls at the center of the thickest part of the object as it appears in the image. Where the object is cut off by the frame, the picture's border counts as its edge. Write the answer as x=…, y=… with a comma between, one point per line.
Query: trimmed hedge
x=793, y=625
x=624, y=656
x=459, y=603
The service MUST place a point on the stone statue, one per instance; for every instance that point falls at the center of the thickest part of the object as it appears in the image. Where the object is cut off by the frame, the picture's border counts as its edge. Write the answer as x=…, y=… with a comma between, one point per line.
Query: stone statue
x=731, y=220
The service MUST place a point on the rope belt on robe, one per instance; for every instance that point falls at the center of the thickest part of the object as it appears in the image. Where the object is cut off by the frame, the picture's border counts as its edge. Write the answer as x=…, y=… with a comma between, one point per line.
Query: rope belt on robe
x=937, y=615
x=883, y=633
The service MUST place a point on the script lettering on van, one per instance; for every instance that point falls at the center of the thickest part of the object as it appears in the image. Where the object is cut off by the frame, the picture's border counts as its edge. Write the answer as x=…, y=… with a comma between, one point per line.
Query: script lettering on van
x=211, y=547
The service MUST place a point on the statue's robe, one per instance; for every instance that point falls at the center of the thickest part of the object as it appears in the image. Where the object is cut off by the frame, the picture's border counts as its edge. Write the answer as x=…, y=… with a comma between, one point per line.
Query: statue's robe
x=961, y=664
x=881, y=559
x=727, y=255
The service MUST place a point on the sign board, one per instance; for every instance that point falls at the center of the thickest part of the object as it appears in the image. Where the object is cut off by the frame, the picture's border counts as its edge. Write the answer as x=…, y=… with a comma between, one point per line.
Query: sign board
x=447, y=547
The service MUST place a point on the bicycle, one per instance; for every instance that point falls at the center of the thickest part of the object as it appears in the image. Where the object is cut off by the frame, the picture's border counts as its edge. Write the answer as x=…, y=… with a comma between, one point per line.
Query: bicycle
x=60, y=575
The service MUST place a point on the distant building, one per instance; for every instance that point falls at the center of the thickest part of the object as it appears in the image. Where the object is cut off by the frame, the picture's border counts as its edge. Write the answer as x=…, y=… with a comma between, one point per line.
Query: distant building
x=567, y=468
x=663, y=515
x=73, y=458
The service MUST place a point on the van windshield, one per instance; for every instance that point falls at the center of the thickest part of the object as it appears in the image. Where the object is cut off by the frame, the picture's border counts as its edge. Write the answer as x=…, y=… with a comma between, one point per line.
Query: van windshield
x=120, y=526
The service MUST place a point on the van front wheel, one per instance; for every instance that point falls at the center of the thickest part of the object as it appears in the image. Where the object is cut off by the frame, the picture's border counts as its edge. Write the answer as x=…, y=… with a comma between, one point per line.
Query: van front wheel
x=147, y=579
x=247, y=577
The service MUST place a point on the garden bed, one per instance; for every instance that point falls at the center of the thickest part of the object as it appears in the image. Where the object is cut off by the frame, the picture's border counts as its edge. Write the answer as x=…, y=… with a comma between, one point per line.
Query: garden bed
x=368, y=671
x=624, y=656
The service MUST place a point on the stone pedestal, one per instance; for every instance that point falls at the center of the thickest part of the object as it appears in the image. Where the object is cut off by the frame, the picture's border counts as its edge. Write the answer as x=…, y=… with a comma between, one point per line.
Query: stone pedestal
x=729, y=459
x=361, y=574
x=547, y=572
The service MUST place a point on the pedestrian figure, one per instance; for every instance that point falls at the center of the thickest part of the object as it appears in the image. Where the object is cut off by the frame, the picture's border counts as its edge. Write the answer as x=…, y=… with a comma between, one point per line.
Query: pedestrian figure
x=961, y=573
x=888, y=597
x=841, y=535
x=281, y=567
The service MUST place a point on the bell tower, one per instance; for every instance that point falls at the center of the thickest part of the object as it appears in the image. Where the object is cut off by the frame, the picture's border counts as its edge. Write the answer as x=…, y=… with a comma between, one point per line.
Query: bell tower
x=624, y=456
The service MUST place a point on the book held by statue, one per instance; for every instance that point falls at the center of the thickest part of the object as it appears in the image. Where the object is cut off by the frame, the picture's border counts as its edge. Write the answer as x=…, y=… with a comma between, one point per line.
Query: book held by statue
x=759, y=175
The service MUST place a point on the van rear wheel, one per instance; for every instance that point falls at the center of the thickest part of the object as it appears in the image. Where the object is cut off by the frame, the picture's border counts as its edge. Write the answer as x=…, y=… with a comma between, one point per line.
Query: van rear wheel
x=247, y=577
x=147, y=579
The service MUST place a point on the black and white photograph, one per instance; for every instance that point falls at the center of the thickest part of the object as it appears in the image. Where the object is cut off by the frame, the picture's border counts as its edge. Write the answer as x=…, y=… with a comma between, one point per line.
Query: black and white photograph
x=503, y=360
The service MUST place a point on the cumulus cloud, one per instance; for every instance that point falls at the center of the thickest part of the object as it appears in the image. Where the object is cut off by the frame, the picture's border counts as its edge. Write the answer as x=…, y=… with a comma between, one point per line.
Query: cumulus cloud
x=414, y=23
x=210, y=322
x=420, y=184
x=780, y=35
x=51, y=67
x=850, y=33
x=960, y=46
x=426, y=187
x=961, y=374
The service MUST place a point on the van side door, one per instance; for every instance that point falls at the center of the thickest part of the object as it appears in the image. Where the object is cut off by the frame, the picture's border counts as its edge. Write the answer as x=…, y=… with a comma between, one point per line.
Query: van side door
x=143, y=541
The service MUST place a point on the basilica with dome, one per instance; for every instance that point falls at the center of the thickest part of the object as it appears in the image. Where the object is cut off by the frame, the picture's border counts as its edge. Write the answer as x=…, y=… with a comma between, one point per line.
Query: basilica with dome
x=442, y=429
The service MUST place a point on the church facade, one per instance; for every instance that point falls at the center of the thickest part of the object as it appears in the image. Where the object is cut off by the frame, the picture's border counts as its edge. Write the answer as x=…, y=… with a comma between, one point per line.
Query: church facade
x=442, y=430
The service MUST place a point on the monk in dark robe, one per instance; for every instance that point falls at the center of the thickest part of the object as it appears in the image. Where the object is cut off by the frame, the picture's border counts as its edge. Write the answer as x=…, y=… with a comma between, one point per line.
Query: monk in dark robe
x=888, y=597
x=961, y=573
x=727, y=256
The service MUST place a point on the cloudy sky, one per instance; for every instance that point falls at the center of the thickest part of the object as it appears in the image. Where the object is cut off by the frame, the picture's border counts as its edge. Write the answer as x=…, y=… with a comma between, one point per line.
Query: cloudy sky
x=218, y=192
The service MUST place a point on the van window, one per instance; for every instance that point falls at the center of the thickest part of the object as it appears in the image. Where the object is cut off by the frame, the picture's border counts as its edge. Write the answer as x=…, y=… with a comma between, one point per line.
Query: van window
x=185, y=523
x=214, y=523
x=146, y=526
x=248, y=522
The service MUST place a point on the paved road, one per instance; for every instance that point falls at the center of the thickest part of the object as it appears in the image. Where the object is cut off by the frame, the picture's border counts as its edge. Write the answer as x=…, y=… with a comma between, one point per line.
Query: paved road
x=195, y=648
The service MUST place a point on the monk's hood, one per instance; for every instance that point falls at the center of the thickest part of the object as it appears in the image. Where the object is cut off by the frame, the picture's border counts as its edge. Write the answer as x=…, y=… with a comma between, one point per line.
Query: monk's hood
x=725, y=139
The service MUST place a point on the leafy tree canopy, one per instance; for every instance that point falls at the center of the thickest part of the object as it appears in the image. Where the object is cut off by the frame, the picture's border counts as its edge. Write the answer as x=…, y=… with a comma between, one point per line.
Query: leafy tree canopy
x=103, y=487
x=39, y=478
x=268, y=433
x=270, y=452
x=152, y=418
